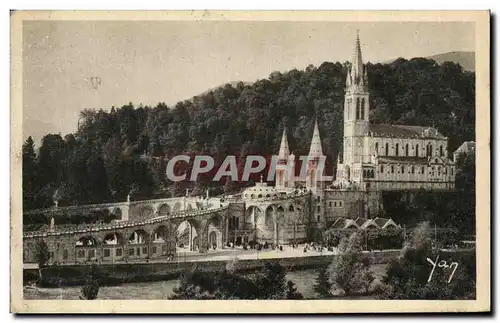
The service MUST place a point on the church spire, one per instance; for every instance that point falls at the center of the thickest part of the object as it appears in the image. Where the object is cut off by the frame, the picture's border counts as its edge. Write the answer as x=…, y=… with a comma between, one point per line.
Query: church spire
x=357, y=69
x=284, y=151
x=316, y=149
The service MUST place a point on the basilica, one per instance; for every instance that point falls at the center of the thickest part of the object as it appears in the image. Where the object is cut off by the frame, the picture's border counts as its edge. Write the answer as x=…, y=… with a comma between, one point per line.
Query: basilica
x=386, y=156
x=375, y=158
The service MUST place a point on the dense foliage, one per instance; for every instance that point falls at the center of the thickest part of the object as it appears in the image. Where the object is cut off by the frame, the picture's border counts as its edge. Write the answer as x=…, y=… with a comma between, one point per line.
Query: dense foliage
x=102, y=160
x=411, y=276
x=270, y=283
x=443, y=209
x=42, y=256
x=90, y=290
x=350, y=271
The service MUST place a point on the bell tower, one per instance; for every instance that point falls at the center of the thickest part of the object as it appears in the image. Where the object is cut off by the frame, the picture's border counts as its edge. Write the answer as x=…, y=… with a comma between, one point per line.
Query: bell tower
x=356, y=116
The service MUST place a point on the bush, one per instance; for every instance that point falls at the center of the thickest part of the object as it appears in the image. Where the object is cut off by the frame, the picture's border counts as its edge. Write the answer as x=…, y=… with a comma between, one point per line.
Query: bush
x=91, y=288
x=349, y=268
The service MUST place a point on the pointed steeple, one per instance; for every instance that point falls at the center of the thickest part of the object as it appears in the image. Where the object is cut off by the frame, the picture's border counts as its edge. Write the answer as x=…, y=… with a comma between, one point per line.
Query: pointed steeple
x=357, y=69
x=284, y=151
x=316, y=149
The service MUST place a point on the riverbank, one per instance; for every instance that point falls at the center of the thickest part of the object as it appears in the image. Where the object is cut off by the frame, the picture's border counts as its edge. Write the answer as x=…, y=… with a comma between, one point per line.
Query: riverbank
x=304, y=280
x=120, y=273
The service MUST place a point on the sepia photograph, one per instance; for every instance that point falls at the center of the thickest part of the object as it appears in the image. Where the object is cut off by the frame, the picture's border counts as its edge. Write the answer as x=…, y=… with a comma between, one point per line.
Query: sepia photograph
x=257, y=156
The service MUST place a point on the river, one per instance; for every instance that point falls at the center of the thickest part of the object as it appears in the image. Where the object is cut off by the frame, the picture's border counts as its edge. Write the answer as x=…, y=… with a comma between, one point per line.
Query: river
x=303, y=279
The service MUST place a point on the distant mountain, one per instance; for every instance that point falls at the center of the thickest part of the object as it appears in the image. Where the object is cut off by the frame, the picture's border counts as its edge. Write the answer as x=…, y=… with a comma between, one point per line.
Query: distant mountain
x=466, y=59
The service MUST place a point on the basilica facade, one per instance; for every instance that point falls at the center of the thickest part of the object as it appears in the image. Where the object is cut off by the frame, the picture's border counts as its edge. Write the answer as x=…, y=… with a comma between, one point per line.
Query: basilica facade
x=387, y=156
x=375, y=158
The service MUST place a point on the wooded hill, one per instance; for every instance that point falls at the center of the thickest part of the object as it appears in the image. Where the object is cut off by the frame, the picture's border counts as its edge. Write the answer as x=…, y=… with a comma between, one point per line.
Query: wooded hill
x=102, y=160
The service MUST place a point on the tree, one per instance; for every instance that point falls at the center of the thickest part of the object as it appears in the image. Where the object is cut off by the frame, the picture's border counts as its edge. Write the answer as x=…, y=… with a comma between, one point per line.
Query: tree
x=29, y=174
x=408, y=277
x=291, y=291
x=90, y=290
x=272, y=281
x=42, y=256
x=322, y=286
x=347, y=270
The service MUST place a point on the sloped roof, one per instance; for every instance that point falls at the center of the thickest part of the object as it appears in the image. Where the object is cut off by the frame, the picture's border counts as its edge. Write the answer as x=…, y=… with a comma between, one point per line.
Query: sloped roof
x=381, y=221
x=369, y=222
x=466, y=147
x=340, y=223
x=316, y=148
x=360, y=221
x=403, y=131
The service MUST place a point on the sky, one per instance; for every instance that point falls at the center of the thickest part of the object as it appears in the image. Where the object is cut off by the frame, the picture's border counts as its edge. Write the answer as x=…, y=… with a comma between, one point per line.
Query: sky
x=72, y=65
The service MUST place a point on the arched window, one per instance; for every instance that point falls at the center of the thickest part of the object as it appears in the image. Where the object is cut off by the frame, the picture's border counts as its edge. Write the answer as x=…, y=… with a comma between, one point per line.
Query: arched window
x=318, y=208
x=386, y=149
x=376, y=147
x=372, y=173
x=402, y=169
x=413, y=169
x=407, y=150
x=397, y=149
x=416, y=150
x=392, y=169
x=441, y=151
x=423, y=169
x=358, y=110
x=429, y=150
x=362, y=109
x=381, y=168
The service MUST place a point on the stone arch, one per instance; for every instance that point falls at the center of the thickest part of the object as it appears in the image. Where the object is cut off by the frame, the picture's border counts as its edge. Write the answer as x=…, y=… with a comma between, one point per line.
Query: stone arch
x=86, y=248
x=214, y=231
x=117, y=212
x=138, y=237
x=177, y=207
x=86, y=241
x=185, y=233
x=163, y=245
x=269, y=217
x=113, y=239
x=113, y=247
x=160, y=234
x=164, y=209
x=138, y=244
x=146, y=211
x=252, y=214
